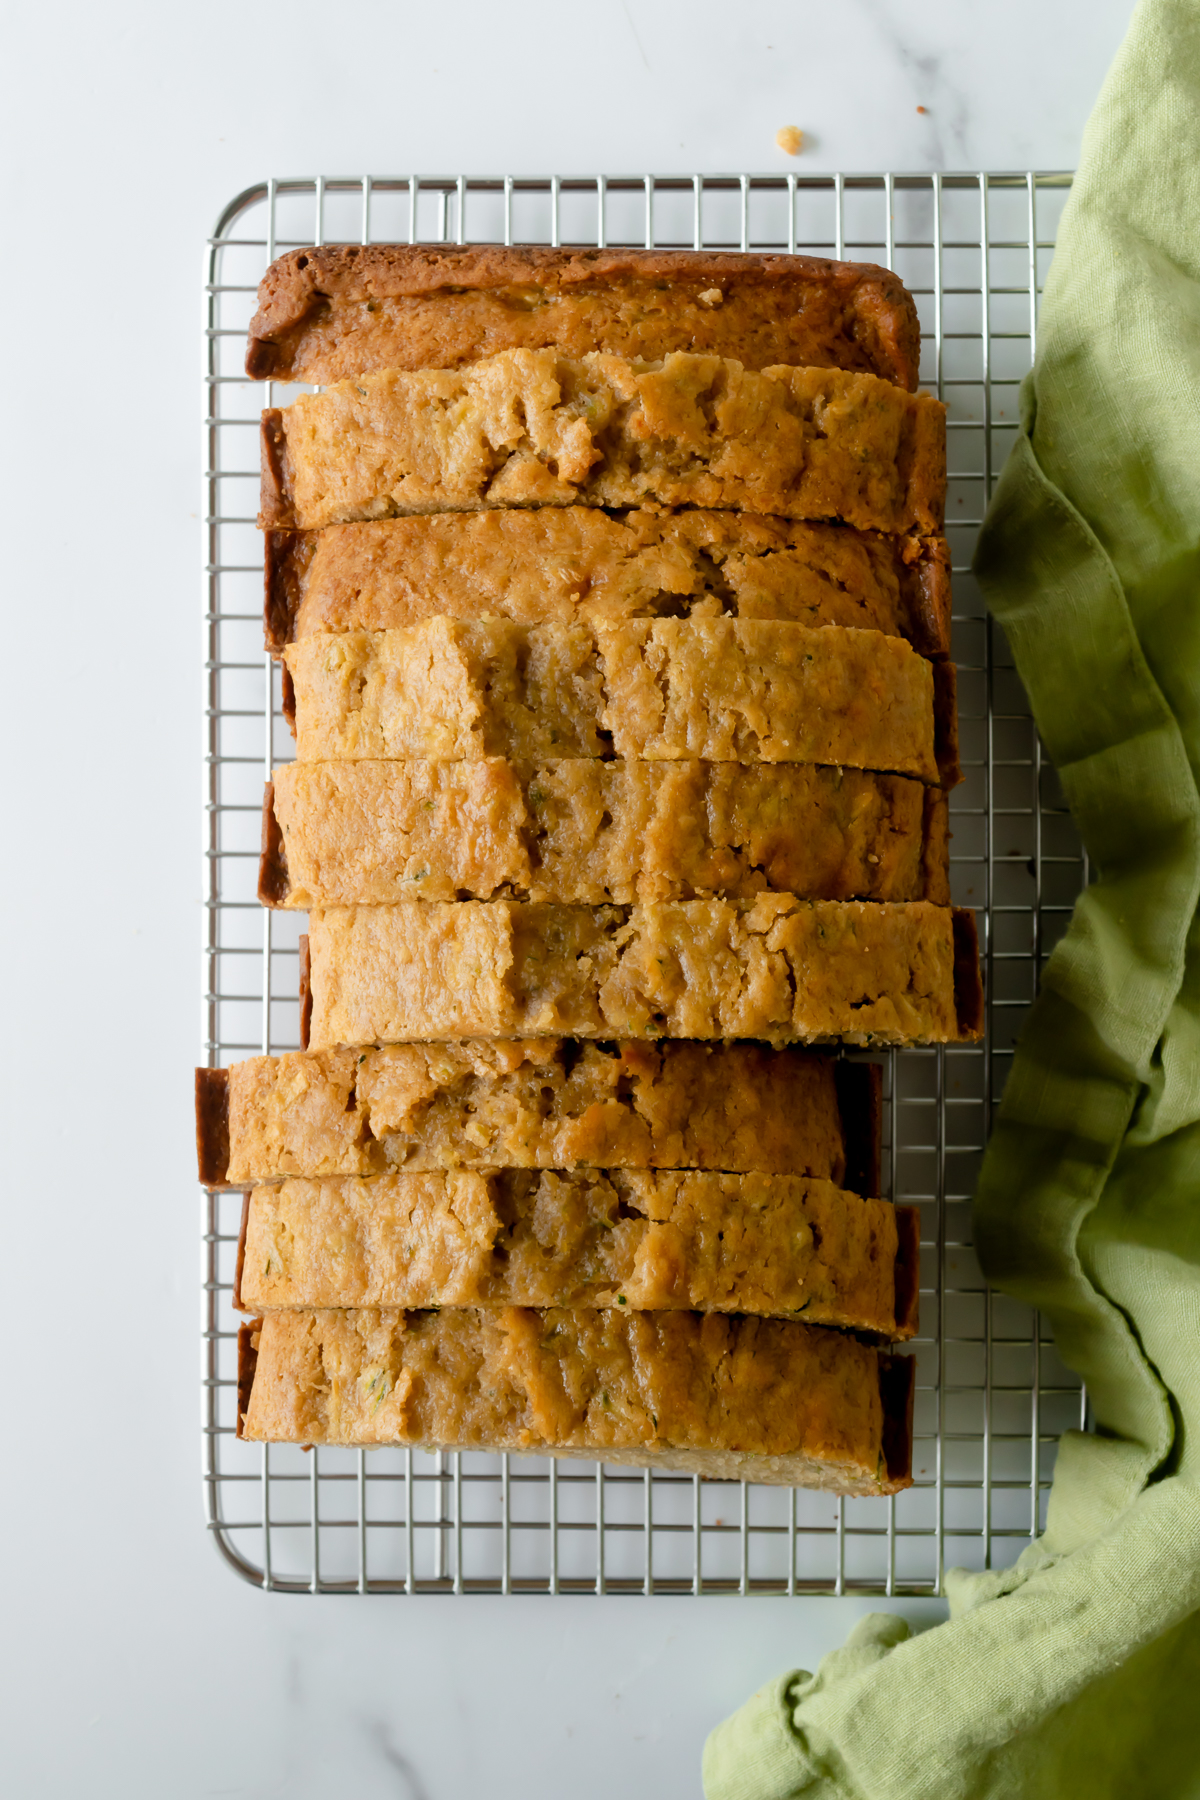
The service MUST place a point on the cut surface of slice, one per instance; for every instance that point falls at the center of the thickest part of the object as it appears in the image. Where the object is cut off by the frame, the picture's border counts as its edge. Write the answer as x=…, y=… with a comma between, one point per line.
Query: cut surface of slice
x=588, y=832
x=774, y=1245
x=564, y=565
x=541, y=1103
x=721, y=690
x=735, y=1397
x=344, y=309
x=533, y=428
x=777, y=968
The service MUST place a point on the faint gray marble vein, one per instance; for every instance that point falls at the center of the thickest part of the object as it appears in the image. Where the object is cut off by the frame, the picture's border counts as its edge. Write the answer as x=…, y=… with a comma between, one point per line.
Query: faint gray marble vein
x=949, y=115
x=410, y=1786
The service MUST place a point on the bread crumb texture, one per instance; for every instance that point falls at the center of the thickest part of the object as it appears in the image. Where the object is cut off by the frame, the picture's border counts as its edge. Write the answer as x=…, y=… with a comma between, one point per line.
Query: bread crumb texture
x=777, y=1245
x=719, y=689
x=566, y=564
x=534, y=428
x=775, y=968
x=765, y=1399
x=586, y=832
x=540, y=1103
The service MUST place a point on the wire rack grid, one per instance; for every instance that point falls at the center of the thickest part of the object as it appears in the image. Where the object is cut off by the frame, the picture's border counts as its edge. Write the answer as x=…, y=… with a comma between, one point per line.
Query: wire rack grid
x=992, y=1396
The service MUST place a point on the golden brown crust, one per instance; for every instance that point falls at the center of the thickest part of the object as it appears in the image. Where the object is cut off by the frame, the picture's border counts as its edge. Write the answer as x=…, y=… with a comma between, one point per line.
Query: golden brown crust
x=930, y=600
x=859, y=1088
x=287, y=559
x=306, y=993
x=274, y=882
x=240, y=1264
x=756, y=1399
x=247, y=1363
x=936, y=839
x=945, y=723
x=275, y=474
x=908, y=1271
x=545, y=1103
x=588, y=833
x=898, y=1392
x=968, y=976
x=212, y=1126
x=328, y=313
x=565, y=565
x=287, y=696
x=777, y=1246
x=534, y=428
x=777, y=968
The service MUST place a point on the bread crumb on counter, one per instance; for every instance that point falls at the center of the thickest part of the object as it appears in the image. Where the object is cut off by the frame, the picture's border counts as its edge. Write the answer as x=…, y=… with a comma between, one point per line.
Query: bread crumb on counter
x=790, y=138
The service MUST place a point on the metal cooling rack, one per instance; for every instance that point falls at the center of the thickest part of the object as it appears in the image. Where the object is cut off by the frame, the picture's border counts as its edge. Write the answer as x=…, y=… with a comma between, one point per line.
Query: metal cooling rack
x=992, y=1395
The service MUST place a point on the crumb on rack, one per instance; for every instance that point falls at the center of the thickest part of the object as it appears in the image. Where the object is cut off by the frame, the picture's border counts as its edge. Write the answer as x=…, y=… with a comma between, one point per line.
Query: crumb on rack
x=790, y=138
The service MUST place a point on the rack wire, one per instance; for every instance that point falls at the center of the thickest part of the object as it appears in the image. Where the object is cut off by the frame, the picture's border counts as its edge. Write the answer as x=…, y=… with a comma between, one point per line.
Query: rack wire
x=992, y=1395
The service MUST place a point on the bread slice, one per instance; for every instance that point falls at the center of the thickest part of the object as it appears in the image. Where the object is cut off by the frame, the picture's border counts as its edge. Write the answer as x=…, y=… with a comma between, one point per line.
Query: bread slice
x=534, y=428
x=735, y=1398
x=779, y=1246
x=588, y=832
x=542, y=1103
x=343, y=309
x=721, y=689
x=777, y=968
x=564, y=565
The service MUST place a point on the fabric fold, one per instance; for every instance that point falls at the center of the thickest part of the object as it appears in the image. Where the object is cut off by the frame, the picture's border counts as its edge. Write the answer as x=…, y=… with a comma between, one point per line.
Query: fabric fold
x=1076, y=1671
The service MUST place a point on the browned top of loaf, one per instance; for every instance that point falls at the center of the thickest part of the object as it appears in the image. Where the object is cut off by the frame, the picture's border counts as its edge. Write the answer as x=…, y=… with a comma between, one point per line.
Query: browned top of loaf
x=345, y=309
x=561, y=564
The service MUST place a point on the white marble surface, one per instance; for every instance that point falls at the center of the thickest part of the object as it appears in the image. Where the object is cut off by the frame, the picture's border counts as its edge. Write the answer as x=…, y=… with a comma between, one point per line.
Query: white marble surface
x=134, y=1663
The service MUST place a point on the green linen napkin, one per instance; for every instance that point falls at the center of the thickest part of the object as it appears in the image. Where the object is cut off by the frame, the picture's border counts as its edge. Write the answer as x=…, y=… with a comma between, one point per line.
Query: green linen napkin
x=1077, y=1672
